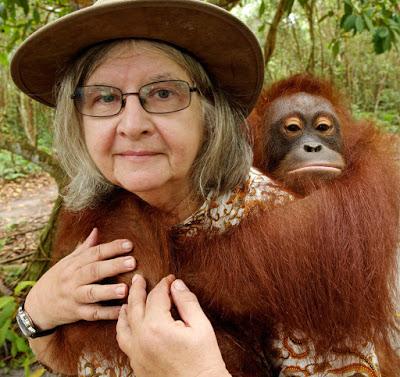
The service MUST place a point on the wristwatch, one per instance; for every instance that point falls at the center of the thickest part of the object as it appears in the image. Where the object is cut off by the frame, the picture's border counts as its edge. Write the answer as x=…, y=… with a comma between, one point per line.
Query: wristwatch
x=27, y=327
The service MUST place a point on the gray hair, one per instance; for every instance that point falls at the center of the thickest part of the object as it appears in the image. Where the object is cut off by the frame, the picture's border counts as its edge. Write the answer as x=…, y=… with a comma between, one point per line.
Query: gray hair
x=222, y=163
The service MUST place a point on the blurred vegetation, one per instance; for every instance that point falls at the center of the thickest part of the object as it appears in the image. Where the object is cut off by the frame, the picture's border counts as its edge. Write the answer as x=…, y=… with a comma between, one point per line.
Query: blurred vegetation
x=355, y=43
x=352, y=42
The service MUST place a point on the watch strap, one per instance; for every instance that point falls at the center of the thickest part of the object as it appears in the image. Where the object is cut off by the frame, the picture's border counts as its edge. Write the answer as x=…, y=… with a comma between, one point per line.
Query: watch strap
x=31, y=330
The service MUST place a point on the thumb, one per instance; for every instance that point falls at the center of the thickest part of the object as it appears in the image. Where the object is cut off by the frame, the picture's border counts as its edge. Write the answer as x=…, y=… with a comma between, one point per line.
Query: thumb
x=187, y=304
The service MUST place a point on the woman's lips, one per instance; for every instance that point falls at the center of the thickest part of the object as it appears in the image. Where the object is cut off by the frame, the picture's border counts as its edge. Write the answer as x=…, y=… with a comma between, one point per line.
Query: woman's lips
x=138, y=155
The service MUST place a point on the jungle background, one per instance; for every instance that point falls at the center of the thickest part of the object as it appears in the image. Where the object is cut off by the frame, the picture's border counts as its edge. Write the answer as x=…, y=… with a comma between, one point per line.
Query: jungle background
x=355, y=43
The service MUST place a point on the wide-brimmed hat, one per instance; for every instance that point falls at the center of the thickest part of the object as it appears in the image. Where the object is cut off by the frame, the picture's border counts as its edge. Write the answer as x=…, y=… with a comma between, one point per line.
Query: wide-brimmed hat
x=225, y=46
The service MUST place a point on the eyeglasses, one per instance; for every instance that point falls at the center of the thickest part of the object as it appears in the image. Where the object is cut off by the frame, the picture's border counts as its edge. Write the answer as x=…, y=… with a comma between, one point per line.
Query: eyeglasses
x=160, y=97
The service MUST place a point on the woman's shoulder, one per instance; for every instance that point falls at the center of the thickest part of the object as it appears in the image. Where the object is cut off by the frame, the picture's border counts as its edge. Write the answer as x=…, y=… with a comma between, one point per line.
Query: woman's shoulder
x=264, y=190
x=294, y=352
x=226, y=210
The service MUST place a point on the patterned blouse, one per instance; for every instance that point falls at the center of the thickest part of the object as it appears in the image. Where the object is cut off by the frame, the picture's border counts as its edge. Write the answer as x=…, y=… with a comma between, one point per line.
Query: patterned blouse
x=292, y=356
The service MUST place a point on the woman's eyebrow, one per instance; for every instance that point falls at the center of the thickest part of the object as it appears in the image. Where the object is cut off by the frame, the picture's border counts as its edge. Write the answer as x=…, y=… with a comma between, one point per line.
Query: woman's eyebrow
x=162, y=76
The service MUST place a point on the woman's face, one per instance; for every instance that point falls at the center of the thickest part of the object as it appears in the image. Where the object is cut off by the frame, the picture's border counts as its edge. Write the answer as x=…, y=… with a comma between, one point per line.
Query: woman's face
x=150, y=155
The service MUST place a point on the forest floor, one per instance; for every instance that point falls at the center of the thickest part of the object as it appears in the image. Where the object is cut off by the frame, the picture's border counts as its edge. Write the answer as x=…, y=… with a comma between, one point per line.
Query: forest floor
x=25, y=207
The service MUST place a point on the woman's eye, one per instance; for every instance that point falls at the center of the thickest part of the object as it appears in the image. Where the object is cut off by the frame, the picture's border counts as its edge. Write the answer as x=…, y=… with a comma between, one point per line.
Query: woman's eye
x=163, y=93
x=108, y=98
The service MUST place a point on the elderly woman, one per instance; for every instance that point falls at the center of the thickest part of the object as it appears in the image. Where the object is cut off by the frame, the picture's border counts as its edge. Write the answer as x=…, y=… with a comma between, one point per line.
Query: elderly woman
x=150, y=97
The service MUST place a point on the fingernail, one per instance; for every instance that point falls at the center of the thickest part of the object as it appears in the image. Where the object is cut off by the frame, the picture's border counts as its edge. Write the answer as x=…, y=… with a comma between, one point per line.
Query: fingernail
x=135, y=277
x=127, y=245
x=129, y=262
x=179, y=285
x=120, y=291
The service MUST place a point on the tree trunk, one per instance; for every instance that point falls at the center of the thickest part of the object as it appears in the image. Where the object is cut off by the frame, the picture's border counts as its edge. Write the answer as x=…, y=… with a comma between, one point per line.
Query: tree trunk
x=39, y=262
x=270, y=41
x=309, y=9
x=35, y=155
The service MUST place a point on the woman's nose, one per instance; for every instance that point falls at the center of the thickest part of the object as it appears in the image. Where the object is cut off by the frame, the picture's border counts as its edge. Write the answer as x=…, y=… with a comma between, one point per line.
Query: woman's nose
x=133, y=120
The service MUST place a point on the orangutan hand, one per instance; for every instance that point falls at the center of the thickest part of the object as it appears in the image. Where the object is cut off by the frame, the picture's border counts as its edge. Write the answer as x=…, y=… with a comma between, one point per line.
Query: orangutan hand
x=68, y=292
x=158, y=345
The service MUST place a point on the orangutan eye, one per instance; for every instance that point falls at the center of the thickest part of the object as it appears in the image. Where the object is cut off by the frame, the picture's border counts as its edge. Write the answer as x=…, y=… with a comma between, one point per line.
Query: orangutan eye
x=293, y=127
x=323, y=124
x=323, y=127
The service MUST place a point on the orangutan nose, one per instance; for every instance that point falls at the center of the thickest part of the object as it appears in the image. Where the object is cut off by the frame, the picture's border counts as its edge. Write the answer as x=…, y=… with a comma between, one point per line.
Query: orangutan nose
x=312, y=147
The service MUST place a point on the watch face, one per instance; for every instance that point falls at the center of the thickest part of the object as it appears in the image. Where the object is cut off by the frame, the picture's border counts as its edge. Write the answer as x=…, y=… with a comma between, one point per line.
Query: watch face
x=24, y=323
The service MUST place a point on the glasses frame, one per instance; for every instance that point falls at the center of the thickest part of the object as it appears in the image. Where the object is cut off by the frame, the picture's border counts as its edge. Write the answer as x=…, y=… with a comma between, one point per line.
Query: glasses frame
x=74, y=97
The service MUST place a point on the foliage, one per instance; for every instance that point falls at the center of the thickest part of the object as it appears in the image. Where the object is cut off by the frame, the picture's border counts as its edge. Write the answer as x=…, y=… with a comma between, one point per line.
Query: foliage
x=380, y=18
x=372, y=82
x=15, y=348
x=19, y=18
x=13, y=166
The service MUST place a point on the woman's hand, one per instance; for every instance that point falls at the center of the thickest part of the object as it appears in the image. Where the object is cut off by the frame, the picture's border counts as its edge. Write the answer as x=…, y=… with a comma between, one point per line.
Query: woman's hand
x=158, y=345
x=67, y=292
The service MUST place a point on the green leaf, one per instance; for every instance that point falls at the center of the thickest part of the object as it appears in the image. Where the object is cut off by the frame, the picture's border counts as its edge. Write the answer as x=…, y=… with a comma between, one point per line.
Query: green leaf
x=359, y=24
x=14, y=349
x=36, y=15
x=378, y=44
x=349, y=22
x=394, y=27
x=303, y=3
x=289, y=6
x=368, y=22
x=7, y=312
x=22, y=285
x=382, y=32
x=335, y=48
x=21, y=344
x=4, y=332
x=387, y=43
x=261, y=9
x=6, y=300
x=348, y=7
x=11, y=10
x=24, y=4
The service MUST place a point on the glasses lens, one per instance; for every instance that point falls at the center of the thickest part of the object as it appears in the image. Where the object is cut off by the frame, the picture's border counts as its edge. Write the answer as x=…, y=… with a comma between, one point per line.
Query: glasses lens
x=98, y=100
x=165, y=96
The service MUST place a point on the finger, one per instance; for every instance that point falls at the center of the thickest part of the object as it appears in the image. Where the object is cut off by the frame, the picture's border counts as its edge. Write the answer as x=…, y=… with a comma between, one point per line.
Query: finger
x=97, y=271
x=187, y=304
x=90, y=241
x=124, y=333
x=94, y=312
x=89, y=294
x=158, y=304
x=136, y=301
x=105, y=251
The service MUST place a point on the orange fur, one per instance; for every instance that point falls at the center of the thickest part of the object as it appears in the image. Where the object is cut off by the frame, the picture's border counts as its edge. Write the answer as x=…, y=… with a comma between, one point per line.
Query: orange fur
x=325, y=264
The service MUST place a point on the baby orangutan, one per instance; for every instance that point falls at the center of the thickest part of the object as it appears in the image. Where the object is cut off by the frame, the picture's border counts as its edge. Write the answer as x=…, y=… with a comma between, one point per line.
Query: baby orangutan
x=320, y=264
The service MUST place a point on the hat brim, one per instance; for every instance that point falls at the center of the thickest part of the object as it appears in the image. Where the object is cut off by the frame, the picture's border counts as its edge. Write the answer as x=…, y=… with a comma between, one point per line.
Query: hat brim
x=226, y=48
